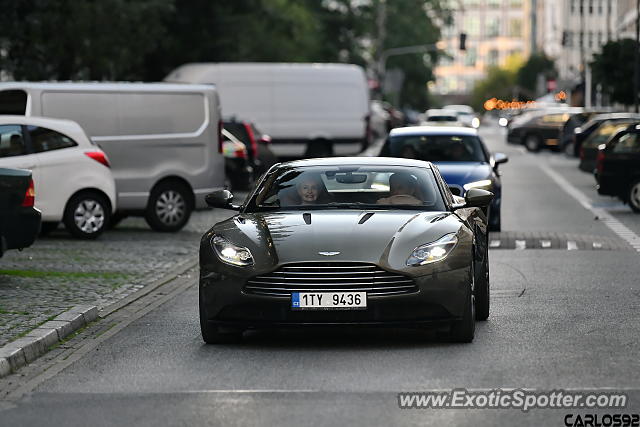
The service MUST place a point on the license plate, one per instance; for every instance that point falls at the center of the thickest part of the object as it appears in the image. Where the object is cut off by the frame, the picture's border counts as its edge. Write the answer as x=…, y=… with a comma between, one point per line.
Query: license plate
x=329, y=300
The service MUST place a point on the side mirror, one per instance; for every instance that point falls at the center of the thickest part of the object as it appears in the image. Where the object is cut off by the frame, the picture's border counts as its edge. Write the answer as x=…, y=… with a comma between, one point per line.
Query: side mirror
x=476, y=197
x=499, y=158
x=220, y=199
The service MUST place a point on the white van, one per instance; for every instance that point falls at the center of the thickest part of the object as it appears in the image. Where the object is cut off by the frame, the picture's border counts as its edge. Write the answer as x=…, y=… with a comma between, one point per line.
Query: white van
x=307, y=109
x=162, y=140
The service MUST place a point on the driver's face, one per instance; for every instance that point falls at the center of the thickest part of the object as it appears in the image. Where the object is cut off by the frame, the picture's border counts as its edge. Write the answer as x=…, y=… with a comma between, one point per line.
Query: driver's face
x=308, y=191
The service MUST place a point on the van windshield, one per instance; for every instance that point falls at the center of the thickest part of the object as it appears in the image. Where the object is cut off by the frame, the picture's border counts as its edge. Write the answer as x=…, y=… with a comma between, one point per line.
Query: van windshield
x=13, y=102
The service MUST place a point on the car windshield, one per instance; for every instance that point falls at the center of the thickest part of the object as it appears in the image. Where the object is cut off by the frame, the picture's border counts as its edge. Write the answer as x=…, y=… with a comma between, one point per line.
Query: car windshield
x=348, y=187
x=437, y=148
x=605, y=131
x=442, y=119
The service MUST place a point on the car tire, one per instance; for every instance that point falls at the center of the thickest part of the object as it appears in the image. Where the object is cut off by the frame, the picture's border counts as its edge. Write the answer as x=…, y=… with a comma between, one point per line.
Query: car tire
x=532, y=143
x=634, y=196
x=169, y=207
x=47, y=228
x=87, y=215
x=211, y=333
x=463, y=330
x=482, y=289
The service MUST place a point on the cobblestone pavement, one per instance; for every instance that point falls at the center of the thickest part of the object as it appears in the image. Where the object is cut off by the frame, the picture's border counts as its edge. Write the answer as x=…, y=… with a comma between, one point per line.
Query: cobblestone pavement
x=58, y=272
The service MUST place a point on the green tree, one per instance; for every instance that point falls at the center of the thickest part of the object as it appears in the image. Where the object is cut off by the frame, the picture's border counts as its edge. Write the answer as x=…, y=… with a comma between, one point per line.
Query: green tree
x=613, y=68
x=537, y=64
x=71, y=39
x=499, y=83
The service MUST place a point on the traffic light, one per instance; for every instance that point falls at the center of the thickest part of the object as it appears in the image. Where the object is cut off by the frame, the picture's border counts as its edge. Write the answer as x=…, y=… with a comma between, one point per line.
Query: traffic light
x=463, y=41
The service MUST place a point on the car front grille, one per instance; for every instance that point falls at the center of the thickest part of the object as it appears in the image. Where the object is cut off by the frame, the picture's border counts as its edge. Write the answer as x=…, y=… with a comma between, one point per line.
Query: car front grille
x=330, y=276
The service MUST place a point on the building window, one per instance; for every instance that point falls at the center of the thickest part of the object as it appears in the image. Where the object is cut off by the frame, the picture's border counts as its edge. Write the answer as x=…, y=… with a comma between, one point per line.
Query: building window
x=516, y=3
x=493, y=57
x=590, y=7
x=580, y=39
x=493, y=27
x=472, y=26
x=590, y=39
x=471, y=57
x=600, y=7
x=573, y=6
x=515, y=28
x=494, y=3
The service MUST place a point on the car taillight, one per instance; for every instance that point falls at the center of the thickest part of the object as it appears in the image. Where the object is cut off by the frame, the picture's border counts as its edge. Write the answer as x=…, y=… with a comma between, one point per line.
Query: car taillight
x=30, y=196
x=99, y=157
x=600, y=161
x=252, y=138
x=220, y=136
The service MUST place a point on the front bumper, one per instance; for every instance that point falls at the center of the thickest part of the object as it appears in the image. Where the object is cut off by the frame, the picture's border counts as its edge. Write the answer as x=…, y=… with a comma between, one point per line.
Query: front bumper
x=440, y=297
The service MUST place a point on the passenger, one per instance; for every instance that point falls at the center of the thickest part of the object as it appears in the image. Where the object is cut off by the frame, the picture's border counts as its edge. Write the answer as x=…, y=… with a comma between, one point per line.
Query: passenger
x=402, y=190
x=309, y=188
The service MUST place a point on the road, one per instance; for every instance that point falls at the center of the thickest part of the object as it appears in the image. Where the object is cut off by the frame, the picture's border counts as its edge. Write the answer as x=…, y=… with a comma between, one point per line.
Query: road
x=564, y=317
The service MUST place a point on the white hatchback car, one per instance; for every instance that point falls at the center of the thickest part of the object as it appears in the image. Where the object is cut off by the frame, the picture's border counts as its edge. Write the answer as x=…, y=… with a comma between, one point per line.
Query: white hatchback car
x=71, y=174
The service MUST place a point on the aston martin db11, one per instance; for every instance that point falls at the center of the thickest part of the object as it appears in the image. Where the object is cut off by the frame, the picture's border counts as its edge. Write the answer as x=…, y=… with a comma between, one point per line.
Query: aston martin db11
x=346, y=241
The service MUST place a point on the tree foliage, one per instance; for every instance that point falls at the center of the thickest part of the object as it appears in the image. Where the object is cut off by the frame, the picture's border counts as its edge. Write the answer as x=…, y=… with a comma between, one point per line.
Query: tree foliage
x=146, y=39
x=613, y=68
x=537, y=64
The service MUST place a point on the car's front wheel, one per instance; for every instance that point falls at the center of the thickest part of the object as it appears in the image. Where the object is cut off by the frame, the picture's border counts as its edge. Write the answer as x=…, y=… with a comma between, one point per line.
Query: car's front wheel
x=463, y=330
x=87, y=215
x=211, y=333
x=169, y=207
x=532, y=143
x=482, y=289
x=634, y=196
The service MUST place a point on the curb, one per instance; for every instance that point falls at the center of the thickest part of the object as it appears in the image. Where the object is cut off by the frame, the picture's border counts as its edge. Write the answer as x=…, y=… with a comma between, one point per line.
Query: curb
x=26, y=349
x=37, y=342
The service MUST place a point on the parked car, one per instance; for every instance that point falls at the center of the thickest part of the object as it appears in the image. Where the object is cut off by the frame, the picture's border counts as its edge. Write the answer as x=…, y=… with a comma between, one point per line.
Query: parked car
x=310, y=110
x=74, y=179
x=605, y=131
x=465, y=114
x=583, y=132
x=19, y=219
x=163, y=140
x=258, y=144
x=567, y=134
x=539, y=129
x=618, y=167
x=460, y=155
x=236, y=162
x=440, y=117
x=346, y=241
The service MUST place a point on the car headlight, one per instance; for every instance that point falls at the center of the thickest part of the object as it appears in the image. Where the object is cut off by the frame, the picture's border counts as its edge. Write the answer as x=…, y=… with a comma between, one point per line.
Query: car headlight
x=433, y=252
x=485, y=184
x=230, y=253
x=475, y=122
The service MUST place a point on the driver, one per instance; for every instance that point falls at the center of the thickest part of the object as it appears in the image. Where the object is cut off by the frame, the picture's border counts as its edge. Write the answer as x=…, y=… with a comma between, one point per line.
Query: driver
x=402, y=190
x=308, y=189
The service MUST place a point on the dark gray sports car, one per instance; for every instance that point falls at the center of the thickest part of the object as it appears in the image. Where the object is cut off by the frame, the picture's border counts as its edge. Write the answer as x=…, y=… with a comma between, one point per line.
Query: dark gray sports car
x=346, y=241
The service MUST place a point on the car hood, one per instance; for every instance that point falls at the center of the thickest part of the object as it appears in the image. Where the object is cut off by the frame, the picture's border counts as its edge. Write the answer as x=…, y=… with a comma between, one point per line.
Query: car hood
x=383, y=237
x=460, y=173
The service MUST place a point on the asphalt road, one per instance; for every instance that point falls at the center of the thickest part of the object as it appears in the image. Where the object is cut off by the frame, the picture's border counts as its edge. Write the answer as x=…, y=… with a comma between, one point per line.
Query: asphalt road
x=561, y=318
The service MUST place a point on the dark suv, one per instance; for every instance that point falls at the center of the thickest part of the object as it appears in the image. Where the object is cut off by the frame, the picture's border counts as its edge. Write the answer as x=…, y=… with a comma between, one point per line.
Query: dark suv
x=618, y=167
x=261, y=158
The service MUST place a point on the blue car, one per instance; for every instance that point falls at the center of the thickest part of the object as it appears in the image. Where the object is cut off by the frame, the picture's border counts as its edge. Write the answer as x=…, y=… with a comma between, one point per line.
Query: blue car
x=461, y=156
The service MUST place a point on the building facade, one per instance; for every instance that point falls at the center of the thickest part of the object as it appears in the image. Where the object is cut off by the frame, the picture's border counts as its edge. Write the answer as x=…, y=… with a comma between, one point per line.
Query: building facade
x=496, y=29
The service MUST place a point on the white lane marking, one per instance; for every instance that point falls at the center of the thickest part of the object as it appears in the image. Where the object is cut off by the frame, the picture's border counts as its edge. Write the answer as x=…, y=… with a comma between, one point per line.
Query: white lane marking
x=571, y=245
x=545, y=243
x=521, y=244
x=614, y=225
x=494, y=244
x=597, y=245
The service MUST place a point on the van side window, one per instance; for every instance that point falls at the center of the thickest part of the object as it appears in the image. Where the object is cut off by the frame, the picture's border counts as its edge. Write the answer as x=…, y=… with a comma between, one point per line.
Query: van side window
x=43, y=139
x=13, y=102
x=11, y=141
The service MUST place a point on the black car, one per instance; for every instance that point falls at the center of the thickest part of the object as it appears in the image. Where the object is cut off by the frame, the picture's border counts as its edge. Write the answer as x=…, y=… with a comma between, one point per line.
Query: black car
x=618, y=167
x=581, y=133
x=19, y=219
x=539, y=129
x=605, y=131
x=346, y=241
x=568, y=132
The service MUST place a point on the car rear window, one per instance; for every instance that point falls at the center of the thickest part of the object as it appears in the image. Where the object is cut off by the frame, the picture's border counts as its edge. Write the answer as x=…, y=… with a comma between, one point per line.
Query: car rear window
x=437, y=148
x=606, y=131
